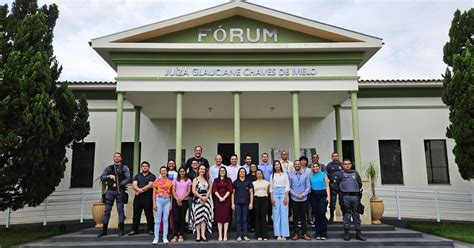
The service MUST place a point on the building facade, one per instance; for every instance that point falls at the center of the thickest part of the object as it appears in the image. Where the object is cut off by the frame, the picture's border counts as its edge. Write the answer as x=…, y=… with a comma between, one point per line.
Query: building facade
x=245, y=79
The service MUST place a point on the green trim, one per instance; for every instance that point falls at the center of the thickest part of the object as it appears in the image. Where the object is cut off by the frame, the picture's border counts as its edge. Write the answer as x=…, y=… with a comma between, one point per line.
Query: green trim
x=400, y=92
x=190, y=35
x=237, y=123
x=337, y=112
x=296, y=124
x=104, y=110
x=400, y=107
x=355, y=131
x=136, y=141
x=134, y=58
x=118, y=122
x=179, y=127
x=96, y=94
x=234, y=78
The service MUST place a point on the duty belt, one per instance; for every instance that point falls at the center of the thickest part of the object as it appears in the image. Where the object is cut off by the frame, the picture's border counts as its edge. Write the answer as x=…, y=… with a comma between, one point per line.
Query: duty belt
x=351, y=193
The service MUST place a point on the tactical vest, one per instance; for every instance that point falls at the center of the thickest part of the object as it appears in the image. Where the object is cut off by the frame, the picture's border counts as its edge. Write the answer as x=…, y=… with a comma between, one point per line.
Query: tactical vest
x=348, y=182
x=332, y=169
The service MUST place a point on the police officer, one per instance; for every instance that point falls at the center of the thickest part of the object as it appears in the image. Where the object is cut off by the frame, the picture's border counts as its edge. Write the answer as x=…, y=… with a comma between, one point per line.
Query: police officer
x=349, y=184
x=117, y=176
x=332, y=168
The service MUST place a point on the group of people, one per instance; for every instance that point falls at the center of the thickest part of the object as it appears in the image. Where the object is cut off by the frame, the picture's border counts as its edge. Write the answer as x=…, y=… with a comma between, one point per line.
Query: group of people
x=253, y=196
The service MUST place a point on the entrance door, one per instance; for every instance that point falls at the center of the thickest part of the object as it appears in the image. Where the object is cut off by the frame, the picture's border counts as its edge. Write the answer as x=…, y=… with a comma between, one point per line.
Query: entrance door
x=347, y=151
x=227, y=149
x=249, y=149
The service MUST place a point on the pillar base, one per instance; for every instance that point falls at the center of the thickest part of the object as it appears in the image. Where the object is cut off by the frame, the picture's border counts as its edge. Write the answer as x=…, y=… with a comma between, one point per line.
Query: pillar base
x=366, y=218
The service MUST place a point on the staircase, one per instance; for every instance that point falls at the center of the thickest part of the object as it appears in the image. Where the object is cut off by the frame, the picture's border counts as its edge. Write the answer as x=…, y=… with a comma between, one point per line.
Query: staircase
x=377, y=236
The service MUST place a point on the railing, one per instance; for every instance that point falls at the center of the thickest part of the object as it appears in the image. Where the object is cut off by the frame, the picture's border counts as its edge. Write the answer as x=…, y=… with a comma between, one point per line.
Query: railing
x=400, y=202
x=418, y=203
x=74, y=204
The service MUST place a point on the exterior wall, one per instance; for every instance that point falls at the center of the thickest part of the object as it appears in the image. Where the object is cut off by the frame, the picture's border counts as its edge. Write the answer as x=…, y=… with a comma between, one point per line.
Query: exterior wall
x=411, y=120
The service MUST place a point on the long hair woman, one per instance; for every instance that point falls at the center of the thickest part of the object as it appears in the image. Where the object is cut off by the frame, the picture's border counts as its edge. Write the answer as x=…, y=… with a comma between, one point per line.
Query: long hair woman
x=181, y=191
x=261, y=188
x=222, y=190
x=279, y=191
x=202, y=208
x=320, y=197
x=242, y=202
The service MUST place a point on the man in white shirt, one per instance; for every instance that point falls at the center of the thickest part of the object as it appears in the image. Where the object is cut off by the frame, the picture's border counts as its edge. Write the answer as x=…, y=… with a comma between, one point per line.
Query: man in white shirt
x=233, y=168
x=214, y=170
x=286, y=165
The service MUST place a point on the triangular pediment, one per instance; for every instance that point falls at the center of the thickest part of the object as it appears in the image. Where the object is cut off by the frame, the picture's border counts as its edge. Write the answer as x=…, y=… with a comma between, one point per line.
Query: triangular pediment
x=234, y=27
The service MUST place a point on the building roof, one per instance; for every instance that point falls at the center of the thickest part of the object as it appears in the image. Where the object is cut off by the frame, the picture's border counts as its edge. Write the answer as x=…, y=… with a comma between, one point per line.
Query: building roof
x=364, y=83
x=400, y=83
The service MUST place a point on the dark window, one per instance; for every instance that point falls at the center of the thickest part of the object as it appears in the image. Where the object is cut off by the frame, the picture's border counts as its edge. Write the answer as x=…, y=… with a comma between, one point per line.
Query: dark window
x=436, y=161
x=390, y=162
x=227, y=149
x=347, y=151
x=127, y=155
x=82, y=165
x=172, y=155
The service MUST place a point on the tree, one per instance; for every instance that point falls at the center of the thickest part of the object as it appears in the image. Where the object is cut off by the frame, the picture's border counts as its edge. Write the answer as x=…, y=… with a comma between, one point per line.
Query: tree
x=458, y=90
x=38, y=119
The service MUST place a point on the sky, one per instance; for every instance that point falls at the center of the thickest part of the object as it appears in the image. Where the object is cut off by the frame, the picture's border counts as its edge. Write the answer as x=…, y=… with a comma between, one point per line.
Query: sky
x=414, y=31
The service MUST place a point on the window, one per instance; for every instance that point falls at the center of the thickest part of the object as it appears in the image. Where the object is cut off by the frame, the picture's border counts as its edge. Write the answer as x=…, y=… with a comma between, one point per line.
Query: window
x=172, y=155
x=82, y=165
x=127, y=155
x=390, y=162
x=436, y=161
x=307, y=152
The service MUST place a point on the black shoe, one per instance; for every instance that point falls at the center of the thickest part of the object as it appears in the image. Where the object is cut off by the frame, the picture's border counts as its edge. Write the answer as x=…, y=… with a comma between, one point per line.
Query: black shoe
x=121, y=229
x=359, y=236
x=132, y=232
x=103, y=232
x=331, y=216
x=347, y=236
x=151, y=233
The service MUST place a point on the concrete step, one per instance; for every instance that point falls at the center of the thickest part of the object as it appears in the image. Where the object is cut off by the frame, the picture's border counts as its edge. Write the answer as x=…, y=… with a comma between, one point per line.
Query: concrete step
x=375, y=242
x=79, y=237
x=331, y=228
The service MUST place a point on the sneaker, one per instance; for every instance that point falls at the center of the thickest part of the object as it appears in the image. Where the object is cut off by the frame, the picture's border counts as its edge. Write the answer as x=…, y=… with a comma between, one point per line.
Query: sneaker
x=155, y=242
x=246, y=238
x=239, y=239
x=165, y=241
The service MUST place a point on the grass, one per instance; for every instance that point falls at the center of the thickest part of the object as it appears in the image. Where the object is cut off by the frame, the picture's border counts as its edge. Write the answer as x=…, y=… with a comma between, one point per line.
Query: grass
x=458, y=231
x=20, y=235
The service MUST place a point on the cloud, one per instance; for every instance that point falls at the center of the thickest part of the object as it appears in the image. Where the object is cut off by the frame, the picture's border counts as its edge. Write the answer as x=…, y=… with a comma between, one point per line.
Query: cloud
x=414, y=32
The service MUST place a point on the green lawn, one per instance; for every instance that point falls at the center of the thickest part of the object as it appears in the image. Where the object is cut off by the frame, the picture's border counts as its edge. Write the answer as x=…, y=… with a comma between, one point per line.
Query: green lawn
x=20, y=235
x=458, y=231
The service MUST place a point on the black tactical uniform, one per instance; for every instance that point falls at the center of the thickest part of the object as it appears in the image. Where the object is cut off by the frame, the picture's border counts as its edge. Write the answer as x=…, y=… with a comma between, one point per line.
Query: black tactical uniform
x=115, y=190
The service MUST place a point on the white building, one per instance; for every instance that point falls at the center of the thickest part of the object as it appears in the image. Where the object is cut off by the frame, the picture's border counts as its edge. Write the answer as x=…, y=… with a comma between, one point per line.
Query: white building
x=247, y=79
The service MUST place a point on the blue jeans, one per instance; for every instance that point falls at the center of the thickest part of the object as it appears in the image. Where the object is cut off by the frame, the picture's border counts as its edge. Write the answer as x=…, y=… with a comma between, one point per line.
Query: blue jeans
x=241, y=212
x=163, y=210
x=280, y=213
x=319, y=205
